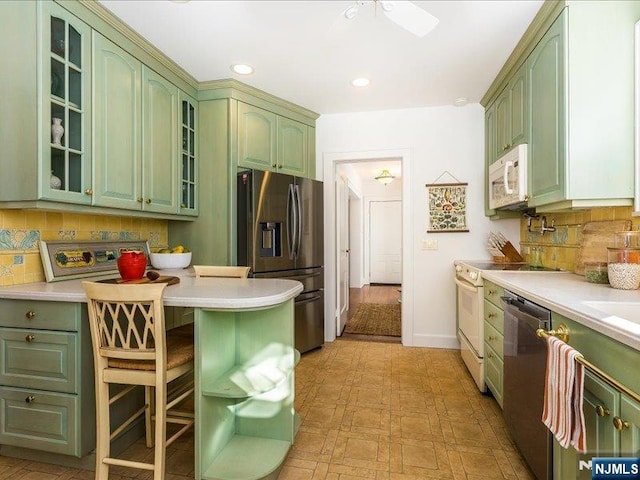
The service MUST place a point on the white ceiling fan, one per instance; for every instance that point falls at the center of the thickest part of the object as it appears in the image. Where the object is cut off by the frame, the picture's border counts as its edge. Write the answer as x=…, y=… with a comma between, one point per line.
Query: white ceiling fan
x=405, y=14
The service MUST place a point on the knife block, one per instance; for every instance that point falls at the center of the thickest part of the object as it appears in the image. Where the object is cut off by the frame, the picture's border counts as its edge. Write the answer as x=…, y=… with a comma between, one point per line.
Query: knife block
x=511, y=253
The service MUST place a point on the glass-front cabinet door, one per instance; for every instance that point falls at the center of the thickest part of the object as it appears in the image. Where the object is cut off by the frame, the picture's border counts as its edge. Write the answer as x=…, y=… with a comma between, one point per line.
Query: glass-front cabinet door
x=188, y=156
x=65, y=49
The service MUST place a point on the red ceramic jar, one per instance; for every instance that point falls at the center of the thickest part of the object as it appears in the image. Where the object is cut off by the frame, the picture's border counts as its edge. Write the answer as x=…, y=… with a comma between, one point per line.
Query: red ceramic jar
x=132, y=265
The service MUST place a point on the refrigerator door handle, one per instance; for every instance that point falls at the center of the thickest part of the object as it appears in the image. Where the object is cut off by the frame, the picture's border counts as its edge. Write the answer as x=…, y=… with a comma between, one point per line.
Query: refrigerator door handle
x=308, y=300
x=291, y=222
x=299, y=209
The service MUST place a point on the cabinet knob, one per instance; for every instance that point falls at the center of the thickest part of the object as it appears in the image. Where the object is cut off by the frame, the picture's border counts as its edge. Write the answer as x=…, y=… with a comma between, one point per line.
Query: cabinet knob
x=280, y=166
x=490, y=355
x=147, y=201
x=88, y=191
x=491, y=338
x=30, y=399
x=274, y=165
x=602, y=411
x=30, y=314
x=30, y=338
x=491, y=315
x=140, y=199
x=620, y=424
x=492, y=292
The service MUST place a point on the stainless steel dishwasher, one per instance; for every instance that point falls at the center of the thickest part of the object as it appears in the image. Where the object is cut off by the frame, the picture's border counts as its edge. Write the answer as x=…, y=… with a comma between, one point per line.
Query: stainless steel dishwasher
x=524, y=375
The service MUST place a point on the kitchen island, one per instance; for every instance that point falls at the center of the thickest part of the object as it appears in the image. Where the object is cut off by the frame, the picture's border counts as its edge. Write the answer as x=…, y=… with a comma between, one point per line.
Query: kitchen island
x=244, y=381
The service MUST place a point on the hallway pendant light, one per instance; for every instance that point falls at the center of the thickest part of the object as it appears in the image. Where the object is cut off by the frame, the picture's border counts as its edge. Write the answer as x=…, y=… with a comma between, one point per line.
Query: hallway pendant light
x=385, y=177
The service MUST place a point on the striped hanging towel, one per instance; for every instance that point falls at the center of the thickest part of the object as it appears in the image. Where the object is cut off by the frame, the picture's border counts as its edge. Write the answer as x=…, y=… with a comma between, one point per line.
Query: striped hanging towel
x=564, y=394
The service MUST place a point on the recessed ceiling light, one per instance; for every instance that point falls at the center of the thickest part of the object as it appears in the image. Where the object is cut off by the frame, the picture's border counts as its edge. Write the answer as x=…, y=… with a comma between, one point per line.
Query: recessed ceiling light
x=360, y=82
x=460, y=101
x=242, y=69
x=350, y=12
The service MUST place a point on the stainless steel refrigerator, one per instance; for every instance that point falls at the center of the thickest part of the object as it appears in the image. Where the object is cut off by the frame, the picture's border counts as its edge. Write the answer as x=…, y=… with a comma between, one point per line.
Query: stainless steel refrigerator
x=280, y=231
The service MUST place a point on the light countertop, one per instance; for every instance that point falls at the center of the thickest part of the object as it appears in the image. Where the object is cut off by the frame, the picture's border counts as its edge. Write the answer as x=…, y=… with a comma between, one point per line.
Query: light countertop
x=215, y=293
x=566, y=293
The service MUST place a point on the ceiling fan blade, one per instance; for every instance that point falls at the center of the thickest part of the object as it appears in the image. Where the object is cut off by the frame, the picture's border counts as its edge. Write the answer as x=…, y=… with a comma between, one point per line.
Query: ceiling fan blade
x=410, y=17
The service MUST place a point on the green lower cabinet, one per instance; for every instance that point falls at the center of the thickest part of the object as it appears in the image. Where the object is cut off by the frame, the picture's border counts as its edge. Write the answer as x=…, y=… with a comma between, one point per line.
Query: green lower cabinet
x=630, y=424
x=47, y=400
x=34, y=419
x=494, y=373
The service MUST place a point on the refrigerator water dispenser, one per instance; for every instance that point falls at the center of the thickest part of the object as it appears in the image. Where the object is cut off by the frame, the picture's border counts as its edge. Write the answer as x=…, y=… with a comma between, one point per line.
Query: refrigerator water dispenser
x=270, y=244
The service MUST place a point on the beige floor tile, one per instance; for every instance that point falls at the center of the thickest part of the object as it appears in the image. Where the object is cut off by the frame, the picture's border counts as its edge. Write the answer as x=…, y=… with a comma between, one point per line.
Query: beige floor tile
x=370, y=411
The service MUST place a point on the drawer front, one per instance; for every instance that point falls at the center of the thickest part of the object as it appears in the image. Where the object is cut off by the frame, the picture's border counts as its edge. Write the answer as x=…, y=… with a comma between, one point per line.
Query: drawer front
x=41, y=315
x=494, y=339
x=38, y=359
x=493, y=292
x=493, y=373
x=40, y=421
x=494, y=315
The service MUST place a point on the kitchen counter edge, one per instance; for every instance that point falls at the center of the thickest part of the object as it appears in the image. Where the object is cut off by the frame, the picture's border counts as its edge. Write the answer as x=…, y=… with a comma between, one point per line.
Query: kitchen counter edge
x=565, y=293
x=214, y=293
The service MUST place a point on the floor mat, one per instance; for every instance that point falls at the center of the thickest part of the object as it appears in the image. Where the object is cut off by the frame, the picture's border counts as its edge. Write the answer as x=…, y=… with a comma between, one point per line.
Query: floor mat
x=375, y=319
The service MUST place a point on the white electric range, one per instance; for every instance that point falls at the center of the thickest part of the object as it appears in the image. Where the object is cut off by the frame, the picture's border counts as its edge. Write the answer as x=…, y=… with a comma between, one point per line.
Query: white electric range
x=470, y=300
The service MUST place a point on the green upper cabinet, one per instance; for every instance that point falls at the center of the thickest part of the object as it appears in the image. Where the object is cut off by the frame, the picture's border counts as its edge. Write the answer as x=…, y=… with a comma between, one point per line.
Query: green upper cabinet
x=257, y=141
x=188, y=141
x=571, y=100
x=518, y=109
x=136, y=134
x=293, y=152
x=545, y=72
x=45, y=129
x=160, y=143
x=503, y=124
x=65, y=76
x=267, y=141
x=118, y=126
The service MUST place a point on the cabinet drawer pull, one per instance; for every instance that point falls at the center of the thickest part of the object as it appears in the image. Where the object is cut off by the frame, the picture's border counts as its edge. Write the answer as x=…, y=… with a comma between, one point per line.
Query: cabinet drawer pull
x=30, y=314
x=602, y=411
x=491, y=315
x=30, y=338
x=30, y=399
x=620, y=424
x=88, y=191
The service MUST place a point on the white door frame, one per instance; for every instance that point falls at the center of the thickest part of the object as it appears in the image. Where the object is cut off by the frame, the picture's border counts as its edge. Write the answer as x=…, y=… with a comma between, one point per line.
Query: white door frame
x=367, y=230
x=330, y=162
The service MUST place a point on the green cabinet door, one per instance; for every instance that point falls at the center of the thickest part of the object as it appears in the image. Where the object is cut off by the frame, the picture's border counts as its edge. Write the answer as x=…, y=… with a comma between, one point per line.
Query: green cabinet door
x=545, y=78
x=630, y=427
x=518, y=119
x=503, y=123
x=117, y=80
x=188, y=164
x=256, y=137
x=65, y=76
x=292, y=147
x=160, y=143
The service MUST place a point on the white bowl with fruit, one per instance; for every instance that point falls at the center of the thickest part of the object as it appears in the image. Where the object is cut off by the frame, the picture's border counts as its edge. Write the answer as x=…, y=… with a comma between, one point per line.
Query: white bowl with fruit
x=171, y=258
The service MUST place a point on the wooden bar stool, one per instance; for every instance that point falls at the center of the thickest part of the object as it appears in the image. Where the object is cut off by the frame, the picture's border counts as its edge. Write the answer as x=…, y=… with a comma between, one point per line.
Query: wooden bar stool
x=131, y=347
x=221, y=271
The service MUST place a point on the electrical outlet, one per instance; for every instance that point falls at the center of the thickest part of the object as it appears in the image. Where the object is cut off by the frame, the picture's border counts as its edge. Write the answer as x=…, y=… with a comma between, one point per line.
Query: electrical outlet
x=430, y=244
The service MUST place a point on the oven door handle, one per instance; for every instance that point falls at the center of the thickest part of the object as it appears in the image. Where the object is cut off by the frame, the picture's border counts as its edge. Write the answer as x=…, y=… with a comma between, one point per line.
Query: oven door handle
x=466, y=286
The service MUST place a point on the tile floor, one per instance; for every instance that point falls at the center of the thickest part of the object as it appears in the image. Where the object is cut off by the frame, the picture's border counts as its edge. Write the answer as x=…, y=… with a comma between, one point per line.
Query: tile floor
x=370, y=410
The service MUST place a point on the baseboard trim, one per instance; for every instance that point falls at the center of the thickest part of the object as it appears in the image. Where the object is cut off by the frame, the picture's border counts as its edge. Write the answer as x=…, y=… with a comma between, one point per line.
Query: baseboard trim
x=436, y=341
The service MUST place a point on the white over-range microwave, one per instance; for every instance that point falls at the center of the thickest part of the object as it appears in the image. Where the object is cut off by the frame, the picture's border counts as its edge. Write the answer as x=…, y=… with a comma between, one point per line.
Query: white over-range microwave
x=508, y=180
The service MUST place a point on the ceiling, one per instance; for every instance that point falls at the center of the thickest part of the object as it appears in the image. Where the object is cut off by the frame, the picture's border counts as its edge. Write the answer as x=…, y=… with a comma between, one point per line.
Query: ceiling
x=307, y=52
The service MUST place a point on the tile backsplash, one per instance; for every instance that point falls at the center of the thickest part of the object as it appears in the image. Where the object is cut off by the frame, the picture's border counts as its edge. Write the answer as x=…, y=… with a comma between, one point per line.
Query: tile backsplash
x=560, y=249
x=21, y=230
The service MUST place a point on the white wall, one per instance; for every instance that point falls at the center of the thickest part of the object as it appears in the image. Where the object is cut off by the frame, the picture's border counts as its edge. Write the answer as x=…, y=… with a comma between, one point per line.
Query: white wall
x=438, y=139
